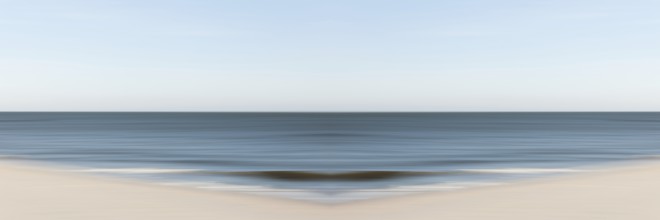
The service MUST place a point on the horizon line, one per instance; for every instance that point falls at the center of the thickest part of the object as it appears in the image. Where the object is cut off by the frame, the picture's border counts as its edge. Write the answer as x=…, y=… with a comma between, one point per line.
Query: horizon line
x=332, y=112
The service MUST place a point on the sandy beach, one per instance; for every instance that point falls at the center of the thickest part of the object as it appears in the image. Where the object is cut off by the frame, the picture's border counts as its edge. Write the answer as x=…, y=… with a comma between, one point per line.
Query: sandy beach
x=631, y=192
x=32, y=193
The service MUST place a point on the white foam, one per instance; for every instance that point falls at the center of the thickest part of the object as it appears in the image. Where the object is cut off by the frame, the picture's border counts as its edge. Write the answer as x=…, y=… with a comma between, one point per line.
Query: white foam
x=338, y=197
x=137, y=170
x=523, y=170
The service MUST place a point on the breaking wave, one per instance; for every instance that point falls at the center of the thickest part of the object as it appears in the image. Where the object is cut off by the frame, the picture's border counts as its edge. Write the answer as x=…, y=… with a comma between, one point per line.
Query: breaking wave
x=332, y=176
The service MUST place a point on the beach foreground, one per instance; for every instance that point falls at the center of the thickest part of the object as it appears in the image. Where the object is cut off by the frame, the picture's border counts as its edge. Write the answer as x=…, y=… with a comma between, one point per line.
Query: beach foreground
x=30, y=193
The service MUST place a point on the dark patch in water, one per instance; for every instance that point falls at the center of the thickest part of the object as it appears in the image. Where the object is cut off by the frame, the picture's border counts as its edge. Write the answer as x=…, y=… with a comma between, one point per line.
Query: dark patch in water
x=347, y=176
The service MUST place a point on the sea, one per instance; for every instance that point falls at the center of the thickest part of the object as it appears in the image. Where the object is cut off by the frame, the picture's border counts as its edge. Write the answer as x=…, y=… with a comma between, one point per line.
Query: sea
x=329, y=157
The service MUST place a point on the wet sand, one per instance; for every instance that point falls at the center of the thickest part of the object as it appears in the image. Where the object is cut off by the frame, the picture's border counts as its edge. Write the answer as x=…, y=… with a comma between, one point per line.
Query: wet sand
x=32, y=193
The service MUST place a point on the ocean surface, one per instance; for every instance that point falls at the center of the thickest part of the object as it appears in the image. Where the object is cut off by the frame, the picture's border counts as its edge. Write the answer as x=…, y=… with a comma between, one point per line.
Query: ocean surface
x=329, y=157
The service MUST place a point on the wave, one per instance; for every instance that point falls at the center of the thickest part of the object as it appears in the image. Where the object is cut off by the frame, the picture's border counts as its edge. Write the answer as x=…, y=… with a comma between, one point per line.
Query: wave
x=138, y=170
x=344, y=176
x=523, y=170
x=280, y=175
x=332, y=176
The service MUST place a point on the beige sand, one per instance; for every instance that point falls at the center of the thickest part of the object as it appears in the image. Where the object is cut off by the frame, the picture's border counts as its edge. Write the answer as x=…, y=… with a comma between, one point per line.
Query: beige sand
x=28, y=193
x=35, y=194
x=631, y=193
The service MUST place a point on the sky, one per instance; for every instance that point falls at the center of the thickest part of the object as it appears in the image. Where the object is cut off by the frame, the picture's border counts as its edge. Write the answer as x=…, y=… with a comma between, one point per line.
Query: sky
x=340, y=55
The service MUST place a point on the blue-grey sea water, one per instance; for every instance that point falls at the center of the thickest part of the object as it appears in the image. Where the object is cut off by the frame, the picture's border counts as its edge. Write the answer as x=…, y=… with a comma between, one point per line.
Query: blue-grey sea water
x=329, y=155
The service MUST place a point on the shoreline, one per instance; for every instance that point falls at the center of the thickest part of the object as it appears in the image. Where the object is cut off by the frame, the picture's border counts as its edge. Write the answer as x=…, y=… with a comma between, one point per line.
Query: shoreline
x=311, y=196
x=35, y=193
x=627, y=191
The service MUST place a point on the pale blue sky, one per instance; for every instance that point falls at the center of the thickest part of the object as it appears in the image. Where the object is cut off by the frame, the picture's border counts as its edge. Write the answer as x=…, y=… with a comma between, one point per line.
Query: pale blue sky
x=340, y=55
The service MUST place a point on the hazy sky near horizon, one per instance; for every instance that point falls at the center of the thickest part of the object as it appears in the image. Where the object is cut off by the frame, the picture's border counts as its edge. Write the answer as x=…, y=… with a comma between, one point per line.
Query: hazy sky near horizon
x=341, y=55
